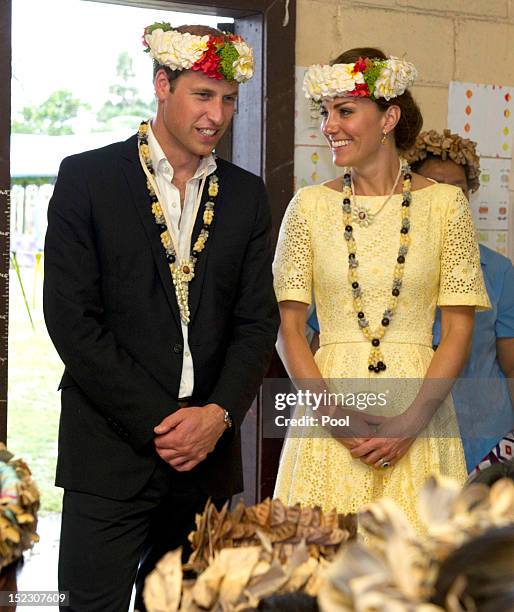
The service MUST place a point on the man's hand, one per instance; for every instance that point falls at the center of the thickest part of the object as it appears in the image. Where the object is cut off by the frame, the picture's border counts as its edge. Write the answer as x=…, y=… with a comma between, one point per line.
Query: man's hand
x=183, y=439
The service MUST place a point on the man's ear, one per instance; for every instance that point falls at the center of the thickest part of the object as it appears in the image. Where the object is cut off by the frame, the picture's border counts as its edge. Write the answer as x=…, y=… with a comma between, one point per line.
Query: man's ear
x=161, y=84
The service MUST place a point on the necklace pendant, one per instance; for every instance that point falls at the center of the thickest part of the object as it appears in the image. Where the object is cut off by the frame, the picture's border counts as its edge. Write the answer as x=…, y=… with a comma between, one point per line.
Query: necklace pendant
x=362, y=216
x=182, y=272
x=185, y=271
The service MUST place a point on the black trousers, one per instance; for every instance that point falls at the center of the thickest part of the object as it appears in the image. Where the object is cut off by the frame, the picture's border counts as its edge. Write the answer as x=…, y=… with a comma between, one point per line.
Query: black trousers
x=108, y=545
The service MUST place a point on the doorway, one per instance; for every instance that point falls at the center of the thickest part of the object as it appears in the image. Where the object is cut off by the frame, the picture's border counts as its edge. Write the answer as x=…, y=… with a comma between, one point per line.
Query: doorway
x=262, y=143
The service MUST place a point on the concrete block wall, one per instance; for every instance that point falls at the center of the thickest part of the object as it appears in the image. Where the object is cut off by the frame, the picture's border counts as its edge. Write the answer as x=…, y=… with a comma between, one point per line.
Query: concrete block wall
x=462, y=40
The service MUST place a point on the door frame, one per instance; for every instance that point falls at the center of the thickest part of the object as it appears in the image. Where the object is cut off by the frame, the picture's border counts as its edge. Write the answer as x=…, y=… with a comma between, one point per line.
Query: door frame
x=263, y=137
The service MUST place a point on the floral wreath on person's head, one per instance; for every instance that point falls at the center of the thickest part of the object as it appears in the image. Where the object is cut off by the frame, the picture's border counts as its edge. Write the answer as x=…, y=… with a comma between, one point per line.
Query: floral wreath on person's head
x=447, y=145
x=219, y=57
x=367, y=77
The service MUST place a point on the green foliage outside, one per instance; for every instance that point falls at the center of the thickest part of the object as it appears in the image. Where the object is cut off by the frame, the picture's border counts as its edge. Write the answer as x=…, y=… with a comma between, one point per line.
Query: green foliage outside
x=34, y=402
x=34, y=366
x=52, y=117
x=124, y=100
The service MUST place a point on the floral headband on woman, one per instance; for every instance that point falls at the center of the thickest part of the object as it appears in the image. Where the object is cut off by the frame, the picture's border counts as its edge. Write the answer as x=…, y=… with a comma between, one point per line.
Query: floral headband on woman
x=451, y=146
x=367, y=77
x=219, y=57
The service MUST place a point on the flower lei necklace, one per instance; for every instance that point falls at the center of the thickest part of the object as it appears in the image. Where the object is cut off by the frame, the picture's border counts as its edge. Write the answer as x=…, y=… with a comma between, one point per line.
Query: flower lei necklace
x=183, y=270
x=376, y=359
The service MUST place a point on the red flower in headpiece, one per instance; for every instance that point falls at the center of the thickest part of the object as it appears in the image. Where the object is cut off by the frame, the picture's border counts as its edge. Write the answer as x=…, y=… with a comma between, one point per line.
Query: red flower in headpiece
x=209, y=62
x=361, y=91
x=143, y=39
x=360, y=65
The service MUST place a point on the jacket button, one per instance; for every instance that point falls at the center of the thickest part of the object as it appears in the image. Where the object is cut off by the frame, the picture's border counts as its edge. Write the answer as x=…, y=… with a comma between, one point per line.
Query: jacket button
x=177, y=348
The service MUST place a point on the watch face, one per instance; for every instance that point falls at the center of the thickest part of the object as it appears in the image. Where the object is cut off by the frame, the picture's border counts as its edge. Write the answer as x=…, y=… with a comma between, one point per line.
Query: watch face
x=227, y=420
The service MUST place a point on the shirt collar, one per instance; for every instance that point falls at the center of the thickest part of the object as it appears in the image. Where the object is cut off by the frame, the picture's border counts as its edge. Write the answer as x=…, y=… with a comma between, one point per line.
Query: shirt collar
x=206, y=166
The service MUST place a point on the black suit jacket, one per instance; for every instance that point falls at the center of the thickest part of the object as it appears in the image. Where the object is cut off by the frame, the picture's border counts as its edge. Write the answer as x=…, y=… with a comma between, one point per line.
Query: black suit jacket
x=111, y=311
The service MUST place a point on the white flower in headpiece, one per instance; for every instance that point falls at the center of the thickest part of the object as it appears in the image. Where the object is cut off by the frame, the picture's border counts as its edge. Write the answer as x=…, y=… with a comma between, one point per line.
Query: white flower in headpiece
x=330, y=81
x=313, y=82
x=394, y=78
x=344, y=78
x=243, y=66
x=178, y=51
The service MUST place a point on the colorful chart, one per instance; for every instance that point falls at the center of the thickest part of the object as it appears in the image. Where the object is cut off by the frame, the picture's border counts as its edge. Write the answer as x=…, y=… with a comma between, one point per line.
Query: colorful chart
x=307, y=118
x=496, y=240
x=490, y=205
x=485, y=114
x=313, y=158
x=313, y=165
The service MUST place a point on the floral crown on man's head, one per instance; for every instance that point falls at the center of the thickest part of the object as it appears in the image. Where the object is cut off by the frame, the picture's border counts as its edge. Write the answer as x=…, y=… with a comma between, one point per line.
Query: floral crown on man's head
x=219, y=57
x=367, y=77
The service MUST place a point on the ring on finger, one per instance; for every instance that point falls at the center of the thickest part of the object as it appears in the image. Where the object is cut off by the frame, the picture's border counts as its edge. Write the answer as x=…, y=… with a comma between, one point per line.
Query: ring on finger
x=383, y=463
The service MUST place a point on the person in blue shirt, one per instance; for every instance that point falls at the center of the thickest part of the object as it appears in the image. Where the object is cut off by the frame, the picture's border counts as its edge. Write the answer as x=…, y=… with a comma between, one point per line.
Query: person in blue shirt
x=484, y=394
x=484, y=407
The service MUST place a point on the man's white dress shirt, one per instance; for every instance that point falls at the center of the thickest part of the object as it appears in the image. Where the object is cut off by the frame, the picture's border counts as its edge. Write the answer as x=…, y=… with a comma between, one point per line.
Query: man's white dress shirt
x=180, y=224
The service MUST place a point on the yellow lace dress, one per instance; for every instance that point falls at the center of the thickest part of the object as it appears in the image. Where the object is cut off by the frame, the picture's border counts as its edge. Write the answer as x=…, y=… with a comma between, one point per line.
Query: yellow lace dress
x=442, y=268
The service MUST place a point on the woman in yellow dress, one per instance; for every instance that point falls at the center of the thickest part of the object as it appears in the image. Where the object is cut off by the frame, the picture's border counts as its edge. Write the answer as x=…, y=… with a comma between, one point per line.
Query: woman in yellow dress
x=379, y=248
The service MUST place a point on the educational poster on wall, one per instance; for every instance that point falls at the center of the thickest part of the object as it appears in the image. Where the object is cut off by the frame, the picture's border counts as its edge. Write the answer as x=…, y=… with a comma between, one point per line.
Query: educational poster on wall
x=313, y=158
x=495, y=240
x=490, y=204
x=313, y=165
x=485, y=114
x=307, y=118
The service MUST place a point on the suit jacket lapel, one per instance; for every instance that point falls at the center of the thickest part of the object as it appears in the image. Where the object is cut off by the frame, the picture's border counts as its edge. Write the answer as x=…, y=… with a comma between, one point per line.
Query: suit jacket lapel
x=195, y=286
x=131, y=167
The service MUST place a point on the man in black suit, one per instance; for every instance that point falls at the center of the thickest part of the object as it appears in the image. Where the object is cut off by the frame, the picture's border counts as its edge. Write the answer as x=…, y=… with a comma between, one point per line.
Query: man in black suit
x=158, y=297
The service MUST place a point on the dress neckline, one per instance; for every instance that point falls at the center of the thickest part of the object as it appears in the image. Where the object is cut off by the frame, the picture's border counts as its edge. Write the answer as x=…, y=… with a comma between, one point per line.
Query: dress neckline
x=377, y=196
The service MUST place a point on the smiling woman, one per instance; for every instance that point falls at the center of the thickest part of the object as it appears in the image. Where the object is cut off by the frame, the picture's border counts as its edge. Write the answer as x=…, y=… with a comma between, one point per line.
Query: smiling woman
x=410, y=119
x=376, y=316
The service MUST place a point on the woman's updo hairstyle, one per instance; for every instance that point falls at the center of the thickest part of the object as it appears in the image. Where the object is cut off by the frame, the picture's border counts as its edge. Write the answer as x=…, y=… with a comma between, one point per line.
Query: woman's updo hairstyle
x=411, y=120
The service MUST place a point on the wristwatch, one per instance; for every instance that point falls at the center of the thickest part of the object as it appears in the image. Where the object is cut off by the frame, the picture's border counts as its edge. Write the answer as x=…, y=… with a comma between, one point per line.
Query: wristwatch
x=227, y=419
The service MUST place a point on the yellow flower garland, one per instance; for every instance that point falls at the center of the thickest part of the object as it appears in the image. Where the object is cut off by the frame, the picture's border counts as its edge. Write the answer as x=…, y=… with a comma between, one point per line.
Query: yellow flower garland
x=182, y=271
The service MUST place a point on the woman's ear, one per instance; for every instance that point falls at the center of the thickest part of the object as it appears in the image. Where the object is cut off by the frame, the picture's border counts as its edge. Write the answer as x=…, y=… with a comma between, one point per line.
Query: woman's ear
x=392, y=116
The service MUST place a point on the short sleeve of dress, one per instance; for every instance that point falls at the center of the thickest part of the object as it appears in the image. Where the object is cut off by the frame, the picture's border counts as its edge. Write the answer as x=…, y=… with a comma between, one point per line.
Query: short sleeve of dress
x=461, y=280
x=505, y=316
x=292, y=268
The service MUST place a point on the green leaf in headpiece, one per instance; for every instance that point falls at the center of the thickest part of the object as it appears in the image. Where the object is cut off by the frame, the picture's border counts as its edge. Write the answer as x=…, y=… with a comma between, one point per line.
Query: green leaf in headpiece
x=372, y=73
x=228, y=54
x=164, y=26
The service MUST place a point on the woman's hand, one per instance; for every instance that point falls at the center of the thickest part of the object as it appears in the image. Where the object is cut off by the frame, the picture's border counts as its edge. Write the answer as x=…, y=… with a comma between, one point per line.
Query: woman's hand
x=399, y=432
x=392, y=440
x=361, y=427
